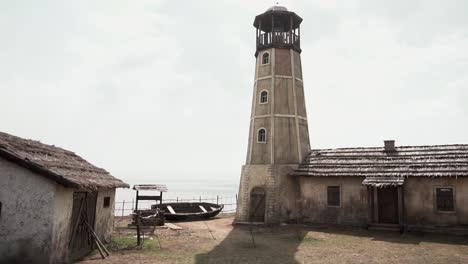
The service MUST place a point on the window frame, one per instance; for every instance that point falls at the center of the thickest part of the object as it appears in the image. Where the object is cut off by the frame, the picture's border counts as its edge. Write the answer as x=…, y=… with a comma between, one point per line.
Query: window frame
x=258, y=135
x=261, y=92
x=269, y=58
x=106, y=202
x=339, y=196
x=436, y=207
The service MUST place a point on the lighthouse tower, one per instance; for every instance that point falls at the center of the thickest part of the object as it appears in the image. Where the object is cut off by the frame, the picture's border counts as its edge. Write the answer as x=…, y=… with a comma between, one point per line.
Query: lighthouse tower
x=279, y=136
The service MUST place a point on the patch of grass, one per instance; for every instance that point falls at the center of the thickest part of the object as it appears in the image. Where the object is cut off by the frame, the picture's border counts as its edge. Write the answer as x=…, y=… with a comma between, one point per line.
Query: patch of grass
x=130, y=242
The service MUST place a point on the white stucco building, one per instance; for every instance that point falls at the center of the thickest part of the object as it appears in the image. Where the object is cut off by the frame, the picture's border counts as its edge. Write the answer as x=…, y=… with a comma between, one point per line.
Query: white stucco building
x=47, y=194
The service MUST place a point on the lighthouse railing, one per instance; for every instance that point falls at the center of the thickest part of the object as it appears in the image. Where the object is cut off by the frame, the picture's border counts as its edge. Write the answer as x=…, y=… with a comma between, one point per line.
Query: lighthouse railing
x=286, y=39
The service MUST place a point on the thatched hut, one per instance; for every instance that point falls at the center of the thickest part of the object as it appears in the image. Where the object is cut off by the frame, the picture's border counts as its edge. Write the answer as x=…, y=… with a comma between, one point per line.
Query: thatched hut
x=47, y=196
x=407, y=187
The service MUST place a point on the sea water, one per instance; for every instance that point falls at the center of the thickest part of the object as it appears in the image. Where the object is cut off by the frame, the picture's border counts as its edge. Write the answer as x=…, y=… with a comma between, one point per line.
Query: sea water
x=212, y=191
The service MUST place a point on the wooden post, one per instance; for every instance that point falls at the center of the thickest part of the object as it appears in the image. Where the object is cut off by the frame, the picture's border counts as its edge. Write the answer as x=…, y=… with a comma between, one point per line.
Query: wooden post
x=138, y=228
x=291, y=30
x=177, y=199
x=200, y=198
x=370, y=200
x=136, y=203
x=160, y=201
x=376, y=205
x=400, y=206
x=133, y=204
x=123, y=208
x=217, y=199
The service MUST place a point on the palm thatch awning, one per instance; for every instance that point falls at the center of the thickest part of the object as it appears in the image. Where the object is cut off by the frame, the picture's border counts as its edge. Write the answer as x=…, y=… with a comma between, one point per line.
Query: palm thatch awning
x=404, y=161
x=57, y=164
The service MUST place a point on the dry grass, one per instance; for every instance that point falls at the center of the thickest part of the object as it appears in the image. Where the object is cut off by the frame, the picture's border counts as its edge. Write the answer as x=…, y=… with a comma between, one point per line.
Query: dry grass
x=283, y=244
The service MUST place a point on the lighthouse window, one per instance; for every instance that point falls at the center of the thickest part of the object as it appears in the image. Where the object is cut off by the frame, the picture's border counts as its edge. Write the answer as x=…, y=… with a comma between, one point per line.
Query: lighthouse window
x=265, y=58
x=261, y=137
x=264, y=97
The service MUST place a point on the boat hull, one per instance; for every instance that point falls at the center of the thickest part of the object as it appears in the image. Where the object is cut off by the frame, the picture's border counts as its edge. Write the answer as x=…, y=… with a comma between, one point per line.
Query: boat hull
x=188, y=211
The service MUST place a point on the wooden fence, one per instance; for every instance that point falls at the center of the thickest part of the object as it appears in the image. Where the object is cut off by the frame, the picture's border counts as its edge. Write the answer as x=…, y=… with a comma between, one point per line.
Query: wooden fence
x=124, y=208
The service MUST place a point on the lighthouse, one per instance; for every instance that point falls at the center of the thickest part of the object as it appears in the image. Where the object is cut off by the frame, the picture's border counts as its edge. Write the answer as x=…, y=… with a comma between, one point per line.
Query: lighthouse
x=279, y=136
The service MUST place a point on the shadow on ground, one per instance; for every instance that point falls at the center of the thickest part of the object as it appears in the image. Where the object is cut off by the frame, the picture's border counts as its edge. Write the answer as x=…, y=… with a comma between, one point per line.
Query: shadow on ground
x=256, y=244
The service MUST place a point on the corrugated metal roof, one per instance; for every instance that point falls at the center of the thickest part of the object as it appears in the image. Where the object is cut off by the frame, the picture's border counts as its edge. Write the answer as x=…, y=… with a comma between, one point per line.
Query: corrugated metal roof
x=406, y=161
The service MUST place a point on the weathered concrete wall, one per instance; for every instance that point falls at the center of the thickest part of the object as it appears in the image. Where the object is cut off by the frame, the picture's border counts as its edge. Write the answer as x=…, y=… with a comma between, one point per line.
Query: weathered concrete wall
x=286, y=141
x=314, y=205
x=284, y=97
x=105, y=216
x=420, y=202
x=283, y=62
x=63, y=206
x=26, y=222
x=281, y=192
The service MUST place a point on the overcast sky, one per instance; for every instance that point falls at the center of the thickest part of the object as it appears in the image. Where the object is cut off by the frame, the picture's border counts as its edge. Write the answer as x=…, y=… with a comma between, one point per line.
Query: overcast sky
x=155, y=90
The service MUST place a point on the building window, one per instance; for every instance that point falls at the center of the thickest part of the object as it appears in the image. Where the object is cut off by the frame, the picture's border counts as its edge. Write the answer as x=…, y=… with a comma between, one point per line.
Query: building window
x=106, y=202
x=444, y=198
x=264, y=97
x=261, y=135
x=265, y=58
x=333, y=196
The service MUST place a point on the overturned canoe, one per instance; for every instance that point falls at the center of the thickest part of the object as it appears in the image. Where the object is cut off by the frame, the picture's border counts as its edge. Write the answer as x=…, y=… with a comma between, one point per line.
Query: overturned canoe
x=186, y=211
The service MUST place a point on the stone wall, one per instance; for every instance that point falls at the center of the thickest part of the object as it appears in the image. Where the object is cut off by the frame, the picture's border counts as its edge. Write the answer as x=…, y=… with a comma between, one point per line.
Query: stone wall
x=26, y=220
x=420, y=203
x=281, y=192
x=314, y=206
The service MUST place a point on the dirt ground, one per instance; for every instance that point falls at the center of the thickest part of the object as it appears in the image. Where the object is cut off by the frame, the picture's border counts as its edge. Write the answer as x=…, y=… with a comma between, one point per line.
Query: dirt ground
x=218, y=241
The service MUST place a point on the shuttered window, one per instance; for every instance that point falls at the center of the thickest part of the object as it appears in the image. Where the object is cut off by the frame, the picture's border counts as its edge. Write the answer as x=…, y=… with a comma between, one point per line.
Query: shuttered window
x=444, y=198
x=333, y=195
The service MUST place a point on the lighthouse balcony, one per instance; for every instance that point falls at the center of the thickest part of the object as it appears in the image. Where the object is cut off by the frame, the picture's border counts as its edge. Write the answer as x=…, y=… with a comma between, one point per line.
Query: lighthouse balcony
x=278, y=40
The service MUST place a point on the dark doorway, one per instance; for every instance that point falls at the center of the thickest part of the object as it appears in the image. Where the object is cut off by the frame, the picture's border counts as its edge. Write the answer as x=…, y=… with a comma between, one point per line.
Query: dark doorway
x=388, y=205
x=257, y=205
x=83, y=211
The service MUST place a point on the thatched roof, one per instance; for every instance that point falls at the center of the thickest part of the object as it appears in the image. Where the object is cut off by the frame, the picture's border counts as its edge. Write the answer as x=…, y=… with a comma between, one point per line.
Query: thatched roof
x=406, y=161
x=62, y=166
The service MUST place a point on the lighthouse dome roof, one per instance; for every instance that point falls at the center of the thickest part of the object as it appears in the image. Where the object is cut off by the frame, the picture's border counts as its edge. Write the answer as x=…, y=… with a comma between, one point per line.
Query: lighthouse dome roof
x=277, y=8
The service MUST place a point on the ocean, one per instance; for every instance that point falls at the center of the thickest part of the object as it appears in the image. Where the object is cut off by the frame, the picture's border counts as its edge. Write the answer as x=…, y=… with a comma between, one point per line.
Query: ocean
x=213, y=191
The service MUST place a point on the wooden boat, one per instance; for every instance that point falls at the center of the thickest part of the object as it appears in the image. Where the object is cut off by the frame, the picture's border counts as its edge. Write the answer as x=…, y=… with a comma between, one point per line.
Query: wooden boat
x=188, y=211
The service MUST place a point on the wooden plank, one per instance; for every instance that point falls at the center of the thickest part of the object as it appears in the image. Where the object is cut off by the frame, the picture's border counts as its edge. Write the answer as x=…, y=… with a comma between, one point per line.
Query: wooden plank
x=400, y=206
x=376, y=206
x=149, y=197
